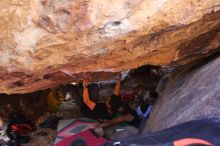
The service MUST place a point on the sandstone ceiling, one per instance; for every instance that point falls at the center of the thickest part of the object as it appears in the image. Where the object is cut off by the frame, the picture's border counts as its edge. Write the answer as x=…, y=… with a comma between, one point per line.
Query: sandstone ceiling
x=44, y=43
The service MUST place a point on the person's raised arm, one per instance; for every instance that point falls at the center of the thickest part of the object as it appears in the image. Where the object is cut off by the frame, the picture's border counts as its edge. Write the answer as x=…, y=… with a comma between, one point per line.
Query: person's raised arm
x=118, y=86
x=86, y=98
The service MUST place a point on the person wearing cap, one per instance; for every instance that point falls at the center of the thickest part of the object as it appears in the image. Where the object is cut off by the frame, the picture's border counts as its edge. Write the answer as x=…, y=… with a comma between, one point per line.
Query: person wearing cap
x=97, y=110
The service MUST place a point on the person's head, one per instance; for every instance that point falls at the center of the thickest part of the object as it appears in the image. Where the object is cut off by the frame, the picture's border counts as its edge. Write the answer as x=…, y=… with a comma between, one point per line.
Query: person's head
x=152, y=96
x=114, y=103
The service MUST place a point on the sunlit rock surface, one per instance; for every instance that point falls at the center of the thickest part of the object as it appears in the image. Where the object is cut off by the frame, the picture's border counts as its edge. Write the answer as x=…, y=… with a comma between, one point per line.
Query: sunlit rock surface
x=187, y=96
x=44, y=43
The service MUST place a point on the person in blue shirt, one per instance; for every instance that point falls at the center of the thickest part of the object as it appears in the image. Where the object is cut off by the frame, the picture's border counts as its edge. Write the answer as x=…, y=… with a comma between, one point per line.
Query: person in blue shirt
x=134, y=117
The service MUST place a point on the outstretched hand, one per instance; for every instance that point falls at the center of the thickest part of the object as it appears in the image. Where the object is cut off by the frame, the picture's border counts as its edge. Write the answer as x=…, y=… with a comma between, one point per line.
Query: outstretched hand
x=86, y=79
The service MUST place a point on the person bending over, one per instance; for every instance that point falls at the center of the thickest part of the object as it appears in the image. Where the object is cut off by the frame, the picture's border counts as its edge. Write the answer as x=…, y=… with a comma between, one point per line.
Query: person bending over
x=134, y=117
x=105, y=110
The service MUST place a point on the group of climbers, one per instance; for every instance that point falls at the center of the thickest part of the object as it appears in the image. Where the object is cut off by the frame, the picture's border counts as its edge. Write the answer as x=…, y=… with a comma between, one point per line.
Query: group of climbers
x=115, y=110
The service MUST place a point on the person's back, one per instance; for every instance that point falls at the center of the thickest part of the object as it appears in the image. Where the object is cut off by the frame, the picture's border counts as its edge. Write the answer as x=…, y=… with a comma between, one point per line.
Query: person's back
x=98, y=110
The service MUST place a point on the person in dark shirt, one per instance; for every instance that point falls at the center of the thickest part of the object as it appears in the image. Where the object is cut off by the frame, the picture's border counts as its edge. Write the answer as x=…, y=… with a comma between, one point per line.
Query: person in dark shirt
x=134, y=117
x=105, y=110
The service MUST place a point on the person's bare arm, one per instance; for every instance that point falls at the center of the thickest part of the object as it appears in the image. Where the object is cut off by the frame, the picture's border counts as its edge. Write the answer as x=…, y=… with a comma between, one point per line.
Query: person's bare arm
x=118, y=86
x=117, y=120
x=86, y=98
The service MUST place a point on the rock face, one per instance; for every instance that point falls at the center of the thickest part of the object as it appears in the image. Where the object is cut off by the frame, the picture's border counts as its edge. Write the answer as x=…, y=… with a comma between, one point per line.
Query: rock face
x=32, y=105
x=192, y=96
x=44, y=43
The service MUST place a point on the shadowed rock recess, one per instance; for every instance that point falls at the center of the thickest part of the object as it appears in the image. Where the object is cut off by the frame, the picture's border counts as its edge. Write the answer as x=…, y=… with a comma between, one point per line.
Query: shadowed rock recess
x=44, y=43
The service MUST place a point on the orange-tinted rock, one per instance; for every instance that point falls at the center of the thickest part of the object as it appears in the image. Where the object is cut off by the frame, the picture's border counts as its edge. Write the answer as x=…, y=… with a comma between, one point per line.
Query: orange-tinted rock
x=44, y=43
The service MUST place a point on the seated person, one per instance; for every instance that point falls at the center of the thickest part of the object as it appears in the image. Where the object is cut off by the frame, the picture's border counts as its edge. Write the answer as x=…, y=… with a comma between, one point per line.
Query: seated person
x=105, y=110
x=134, y=117
x=54, y=98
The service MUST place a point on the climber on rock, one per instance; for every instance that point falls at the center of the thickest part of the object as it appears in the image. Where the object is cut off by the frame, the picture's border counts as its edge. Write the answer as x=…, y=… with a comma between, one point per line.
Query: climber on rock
x=105, y=110
x=134, y=117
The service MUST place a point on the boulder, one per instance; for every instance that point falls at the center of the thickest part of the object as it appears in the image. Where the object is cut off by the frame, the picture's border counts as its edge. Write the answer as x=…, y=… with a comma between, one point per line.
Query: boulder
x=187, y=94
x=44, y=43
